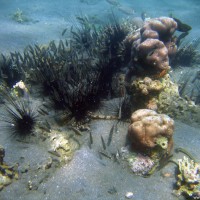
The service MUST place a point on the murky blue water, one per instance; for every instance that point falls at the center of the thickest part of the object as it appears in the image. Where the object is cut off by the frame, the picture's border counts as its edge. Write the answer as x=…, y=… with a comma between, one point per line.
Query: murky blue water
x=88, y=176
x=46, y=20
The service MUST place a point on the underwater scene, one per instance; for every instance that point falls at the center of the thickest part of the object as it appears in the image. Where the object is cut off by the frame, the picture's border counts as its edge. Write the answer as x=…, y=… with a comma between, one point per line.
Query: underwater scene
x=99, y=99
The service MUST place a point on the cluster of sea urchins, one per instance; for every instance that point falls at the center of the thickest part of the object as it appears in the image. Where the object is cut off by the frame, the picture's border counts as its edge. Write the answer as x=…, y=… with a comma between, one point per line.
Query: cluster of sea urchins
x=74, y=73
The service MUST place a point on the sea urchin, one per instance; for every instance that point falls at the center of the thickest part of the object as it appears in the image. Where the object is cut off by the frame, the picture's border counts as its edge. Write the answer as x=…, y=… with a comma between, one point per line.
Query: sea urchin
x=19, y=117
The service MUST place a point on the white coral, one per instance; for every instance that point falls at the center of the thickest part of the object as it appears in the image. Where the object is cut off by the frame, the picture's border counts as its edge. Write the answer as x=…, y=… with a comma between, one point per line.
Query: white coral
x=21, y=85
x=59, y=142
x=189, y=170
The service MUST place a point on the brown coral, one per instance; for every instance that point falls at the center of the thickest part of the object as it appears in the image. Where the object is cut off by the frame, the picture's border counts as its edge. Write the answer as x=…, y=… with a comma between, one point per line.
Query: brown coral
x=147, y=127
x=151, y=50
x=153, y=55
x=159, y=28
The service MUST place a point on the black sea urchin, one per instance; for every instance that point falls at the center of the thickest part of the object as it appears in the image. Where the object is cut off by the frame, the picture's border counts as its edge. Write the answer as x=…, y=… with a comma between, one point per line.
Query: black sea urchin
x=84, y=38
x=187, y=55
x=19, y=118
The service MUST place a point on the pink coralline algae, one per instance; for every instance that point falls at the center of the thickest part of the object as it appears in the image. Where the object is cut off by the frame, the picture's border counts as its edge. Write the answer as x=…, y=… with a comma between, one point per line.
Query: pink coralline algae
x=141, y=165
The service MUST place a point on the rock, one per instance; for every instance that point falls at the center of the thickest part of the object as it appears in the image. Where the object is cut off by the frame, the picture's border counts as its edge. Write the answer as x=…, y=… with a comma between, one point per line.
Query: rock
x=129, y=195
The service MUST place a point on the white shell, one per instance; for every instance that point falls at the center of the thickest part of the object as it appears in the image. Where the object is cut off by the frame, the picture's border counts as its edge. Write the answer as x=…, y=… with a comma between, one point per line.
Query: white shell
x=129, y=195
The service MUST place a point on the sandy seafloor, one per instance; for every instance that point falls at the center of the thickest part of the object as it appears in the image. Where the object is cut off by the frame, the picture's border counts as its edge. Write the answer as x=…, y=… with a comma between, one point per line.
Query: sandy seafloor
x=90, y=177
x=49, y=18
x=87, y=177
